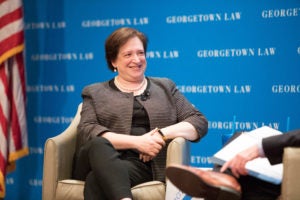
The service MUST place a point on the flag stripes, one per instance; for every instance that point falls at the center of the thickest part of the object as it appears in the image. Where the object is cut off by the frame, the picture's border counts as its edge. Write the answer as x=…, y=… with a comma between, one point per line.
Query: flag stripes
x=13, y=128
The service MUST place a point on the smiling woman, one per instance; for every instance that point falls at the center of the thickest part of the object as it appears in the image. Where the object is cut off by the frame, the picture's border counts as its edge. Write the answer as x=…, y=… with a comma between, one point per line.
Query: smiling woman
x=119, y=141
x=131, y=65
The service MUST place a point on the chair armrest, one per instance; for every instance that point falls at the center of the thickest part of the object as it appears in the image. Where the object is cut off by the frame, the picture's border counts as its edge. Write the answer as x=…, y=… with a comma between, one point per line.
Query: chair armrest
x=58, y=157
x=291, y=176
x=178, y=152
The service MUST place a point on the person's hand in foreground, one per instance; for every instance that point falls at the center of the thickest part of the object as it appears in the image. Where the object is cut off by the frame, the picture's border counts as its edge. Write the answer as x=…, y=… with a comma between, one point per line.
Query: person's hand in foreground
x=238, y=163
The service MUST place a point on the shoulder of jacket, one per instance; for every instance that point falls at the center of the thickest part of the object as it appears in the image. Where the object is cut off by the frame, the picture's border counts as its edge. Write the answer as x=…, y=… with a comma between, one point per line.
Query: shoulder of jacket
x=161, y=80
x=96, y=86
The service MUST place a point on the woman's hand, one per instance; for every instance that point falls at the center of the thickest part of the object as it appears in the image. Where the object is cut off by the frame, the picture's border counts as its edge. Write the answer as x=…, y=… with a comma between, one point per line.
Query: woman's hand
x=145, y=158
x=149, y=145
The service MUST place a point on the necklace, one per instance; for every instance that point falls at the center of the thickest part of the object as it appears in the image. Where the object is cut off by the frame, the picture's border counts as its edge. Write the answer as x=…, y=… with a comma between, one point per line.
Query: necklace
x=126, y=89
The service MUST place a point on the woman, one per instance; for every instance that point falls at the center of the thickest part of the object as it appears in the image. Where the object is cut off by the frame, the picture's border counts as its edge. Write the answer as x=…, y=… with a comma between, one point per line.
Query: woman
x=119, y=143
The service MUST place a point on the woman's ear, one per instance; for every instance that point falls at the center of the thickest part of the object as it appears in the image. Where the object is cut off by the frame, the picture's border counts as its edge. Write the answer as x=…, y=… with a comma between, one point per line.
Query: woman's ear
x=114, y=64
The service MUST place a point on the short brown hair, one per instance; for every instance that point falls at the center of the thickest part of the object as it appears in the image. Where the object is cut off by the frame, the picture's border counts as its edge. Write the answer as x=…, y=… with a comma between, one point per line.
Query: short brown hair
x=118, y=38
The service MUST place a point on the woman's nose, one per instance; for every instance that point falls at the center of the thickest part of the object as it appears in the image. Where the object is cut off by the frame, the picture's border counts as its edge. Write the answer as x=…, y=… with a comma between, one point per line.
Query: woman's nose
x=136, y=58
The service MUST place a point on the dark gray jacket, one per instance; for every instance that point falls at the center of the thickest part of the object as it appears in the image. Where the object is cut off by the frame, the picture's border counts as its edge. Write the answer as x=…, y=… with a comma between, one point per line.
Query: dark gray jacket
x=107, y=109
x=273, y=146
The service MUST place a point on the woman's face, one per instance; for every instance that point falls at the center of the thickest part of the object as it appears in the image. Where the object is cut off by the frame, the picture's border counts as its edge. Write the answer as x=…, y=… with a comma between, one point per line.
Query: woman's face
x=131, y=60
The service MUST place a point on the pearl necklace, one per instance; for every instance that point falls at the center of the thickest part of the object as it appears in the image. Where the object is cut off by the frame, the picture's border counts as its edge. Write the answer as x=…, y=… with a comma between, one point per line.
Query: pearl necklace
x=126, y=89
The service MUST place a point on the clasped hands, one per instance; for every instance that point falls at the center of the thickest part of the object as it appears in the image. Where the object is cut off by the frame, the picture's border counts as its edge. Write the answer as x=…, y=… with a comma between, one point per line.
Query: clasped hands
x=150, y=145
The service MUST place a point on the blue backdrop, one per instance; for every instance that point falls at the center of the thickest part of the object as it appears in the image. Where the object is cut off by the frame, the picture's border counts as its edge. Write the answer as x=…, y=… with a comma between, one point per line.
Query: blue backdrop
x=236, y=61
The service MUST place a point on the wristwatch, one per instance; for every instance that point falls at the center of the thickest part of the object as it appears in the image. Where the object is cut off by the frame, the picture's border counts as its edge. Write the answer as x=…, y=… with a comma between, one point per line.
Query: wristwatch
x=162, y=135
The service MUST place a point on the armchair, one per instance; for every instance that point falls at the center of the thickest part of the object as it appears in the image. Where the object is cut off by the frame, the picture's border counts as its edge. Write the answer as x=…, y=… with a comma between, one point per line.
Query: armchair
x=58, y=159
x=290, y=188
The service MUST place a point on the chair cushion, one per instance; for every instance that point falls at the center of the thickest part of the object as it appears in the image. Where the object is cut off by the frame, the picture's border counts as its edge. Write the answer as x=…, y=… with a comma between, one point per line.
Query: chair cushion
x=69, y=190
x=73, y=190
x=149, y=191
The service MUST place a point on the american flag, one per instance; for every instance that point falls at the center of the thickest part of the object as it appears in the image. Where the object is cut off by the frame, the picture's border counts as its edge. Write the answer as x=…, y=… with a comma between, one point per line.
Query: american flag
x=13, y=128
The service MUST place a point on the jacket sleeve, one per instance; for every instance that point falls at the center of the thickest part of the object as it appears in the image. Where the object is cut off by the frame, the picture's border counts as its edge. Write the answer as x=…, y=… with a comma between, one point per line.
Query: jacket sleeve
x=189, y=113
x=273, y=146
x=89, y=127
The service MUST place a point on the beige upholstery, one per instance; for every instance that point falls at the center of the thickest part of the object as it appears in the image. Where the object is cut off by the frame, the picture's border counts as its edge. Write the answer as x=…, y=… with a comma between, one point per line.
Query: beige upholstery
x=290, y=189
x=58, y=158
